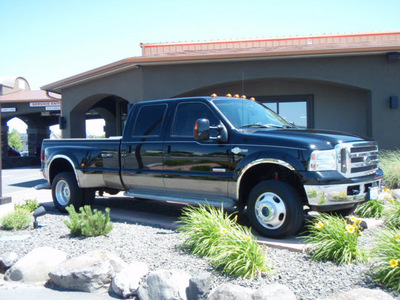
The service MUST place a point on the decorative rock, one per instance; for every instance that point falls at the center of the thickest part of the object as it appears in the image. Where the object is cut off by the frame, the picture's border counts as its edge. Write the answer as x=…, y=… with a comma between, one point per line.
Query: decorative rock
x=228, y=291
x=198, y=286
x=126, y=282
x=36, y=265
x=362, y=293
x=7, y=260
x=165, y=285
x=91, y=272
x=273, y=292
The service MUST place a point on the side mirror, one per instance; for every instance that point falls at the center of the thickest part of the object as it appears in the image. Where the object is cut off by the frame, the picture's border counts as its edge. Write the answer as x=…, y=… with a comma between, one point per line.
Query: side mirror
x=202, y=130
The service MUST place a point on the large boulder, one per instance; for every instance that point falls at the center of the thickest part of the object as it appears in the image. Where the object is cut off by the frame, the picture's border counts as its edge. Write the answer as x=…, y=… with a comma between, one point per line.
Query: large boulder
x=229, y=291
x=199, y=285
x=165, y=285
x=362, y=293
x=7, y=260
x=273, y=292
x=91, y=272
x=36, y=265
x=127, y=282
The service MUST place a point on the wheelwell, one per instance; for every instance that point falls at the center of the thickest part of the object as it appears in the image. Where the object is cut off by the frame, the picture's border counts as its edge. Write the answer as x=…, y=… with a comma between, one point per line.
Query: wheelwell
x=268, y=171
x=57, y=166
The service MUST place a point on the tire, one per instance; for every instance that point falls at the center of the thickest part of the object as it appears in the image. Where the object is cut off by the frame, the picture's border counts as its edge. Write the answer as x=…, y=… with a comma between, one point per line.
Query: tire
x=65, y=191
x=275, y=209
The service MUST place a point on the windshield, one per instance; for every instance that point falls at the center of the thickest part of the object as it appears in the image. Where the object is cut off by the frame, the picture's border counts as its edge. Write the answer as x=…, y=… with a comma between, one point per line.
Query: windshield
x=250, y=114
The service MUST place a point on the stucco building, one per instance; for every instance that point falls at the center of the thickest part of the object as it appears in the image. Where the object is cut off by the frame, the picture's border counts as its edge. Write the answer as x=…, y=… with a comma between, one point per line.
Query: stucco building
x=347, y=82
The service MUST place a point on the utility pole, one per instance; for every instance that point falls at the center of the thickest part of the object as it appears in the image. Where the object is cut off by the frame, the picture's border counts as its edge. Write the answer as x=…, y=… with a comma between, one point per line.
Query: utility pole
x=3, y=200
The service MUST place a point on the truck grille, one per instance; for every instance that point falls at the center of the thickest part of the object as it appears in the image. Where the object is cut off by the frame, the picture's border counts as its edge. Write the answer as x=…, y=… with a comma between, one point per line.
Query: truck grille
x=358, y=159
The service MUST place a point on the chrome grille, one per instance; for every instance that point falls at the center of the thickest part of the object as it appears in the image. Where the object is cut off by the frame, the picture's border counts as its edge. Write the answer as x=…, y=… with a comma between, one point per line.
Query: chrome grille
x=358, y=159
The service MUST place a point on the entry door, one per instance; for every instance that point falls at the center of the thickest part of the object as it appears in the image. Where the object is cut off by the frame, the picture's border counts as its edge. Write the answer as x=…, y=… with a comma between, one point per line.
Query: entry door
x=141, y=150
x=195, y=167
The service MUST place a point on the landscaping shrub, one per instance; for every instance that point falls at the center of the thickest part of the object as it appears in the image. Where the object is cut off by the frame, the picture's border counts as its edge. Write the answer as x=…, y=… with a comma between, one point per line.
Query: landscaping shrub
x=30, y=205
x=392, y=215
x=18, y=219
x=88, y=223
x=334, y=238
x=386, y=256
x=230, y=247
x=389, y=161
x=370, y=209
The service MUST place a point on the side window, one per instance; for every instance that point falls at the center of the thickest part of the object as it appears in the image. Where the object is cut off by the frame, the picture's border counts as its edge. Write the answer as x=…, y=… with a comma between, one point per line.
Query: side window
x=149, y=120
x=186, y=116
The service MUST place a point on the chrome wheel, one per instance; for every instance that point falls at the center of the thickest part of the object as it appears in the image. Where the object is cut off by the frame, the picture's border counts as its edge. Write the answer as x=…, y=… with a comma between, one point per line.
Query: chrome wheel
x=270, y=210
x=63, y=193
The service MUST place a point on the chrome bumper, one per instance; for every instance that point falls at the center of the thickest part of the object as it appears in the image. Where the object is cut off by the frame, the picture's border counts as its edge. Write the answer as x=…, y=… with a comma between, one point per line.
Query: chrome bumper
x=331, y=197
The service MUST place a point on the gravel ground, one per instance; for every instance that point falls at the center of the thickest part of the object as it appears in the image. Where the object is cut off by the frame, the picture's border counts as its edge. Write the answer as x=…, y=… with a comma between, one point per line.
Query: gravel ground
x=158, y=248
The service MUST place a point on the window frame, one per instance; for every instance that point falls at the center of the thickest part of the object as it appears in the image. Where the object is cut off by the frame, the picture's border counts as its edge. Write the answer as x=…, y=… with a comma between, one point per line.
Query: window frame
x=308, y=98
x=137, y=118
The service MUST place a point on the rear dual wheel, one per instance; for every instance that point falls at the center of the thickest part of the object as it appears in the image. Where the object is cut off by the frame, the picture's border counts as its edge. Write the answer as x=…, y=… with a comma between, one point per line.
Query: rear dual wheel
x=65, y=191
x=275, y=209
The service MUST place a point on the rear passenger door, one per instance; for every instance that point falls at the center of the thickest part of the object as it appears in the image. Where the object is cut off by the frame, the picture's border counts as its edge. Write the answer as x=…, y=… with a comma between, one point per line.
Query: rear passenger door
x=191, y=166
x=141, y=149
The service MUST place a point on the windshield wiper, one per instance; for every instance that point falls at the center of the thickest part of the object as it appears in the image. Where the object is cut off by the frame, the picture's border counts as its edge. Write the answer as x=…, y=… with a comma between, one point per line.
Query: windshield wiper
x=258, y=125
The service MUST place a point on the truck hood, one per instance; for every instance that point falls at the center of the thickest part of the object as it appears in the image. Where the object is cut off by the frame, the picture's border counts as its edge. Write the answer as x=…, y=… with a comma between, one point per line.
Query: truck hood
x=304, y=138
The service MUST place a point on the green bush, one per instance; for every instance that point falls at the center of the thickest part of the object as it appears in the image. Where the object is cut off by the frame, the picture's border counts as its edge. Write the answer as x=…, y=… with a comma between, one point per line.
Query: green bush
x=18, y=219
x=30, y=205
x=334, y=238
x=392, y=215
x=386, y=258
x=88, y=223
x=370, y=209
x=230, y=247
x=389, y=161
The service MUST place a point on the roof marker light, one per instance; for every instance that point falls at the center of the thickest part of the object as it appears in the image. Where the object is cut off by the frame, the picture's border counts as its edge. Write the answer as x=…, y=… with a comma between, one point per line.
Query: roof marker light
x=228, y=95
x=253, y=99
x=243, y=97
x=214, y=95
x=236, y=96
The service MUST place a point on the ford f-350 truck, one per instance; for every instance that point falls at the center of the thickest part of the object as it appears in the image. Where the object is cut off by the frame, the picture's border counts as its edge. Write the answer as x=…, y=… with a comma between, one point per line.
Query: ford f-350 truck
x=223, y=151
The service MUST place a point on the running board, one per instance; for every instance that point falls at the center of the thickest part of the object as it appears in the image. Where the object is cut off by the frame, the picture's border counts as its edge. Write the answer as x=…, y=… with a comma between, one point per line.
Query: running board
x=182, y=198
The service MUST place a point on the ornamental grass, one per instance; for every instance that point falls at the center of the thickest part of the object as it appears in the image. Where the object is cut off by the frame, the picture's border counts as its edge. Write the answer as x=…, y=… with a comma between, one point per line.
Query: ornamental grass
x=370, y=209
x=392, y=214
x=386, y=256
x=334, y=238
x=389, y=162
x=229, y=247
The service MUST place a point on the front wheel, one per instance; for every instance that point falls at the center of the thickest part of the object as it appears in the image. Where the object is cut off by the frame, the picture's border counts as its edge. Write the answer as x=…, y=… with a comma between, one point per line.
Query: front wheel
x=275, y=209
x=65, y=191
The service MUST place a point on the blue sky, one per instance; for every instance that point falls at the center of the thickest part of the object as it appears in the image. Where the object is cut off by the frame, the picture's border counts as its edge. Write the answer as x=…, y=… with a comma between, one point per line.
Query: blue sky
x=48, y=40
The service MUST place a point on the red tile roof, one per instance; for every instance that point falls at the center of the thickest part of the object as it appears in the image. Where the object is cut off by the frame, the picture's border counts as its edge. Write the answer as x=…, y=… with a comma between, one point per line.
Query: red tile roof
x=279, y=44
x=29, y=96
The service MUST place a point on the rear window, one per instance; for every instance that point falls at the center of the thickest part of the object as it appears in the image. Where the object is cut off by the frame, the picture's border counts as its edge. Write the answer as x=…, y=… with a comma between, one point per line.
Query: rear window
x=149, y=120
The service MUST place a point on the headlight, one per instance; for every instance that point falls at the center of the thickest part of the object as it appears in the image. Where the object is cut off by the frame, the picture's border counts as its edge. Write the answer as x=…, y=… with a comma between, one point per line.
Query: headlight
x=323, y=160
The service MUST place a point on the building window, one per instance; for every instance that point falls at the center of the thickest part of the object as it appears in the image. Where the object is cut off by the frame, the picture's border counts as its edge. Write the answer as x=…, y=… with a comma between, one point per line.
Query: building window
x=294, y=108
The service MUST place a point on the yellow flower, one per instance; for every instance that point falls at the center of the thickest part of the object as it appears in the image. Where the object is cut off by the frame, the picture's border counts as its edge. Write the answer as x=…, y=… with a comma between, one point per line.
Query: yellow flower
x=386, y=190
x=350, y=228
x=359, y=233
x=246, y=238
x=394, y=263
x=223, y=231
x=398, y=236
x=392, y=200
x=198, y=229
x=319, y=225
x=355, y=220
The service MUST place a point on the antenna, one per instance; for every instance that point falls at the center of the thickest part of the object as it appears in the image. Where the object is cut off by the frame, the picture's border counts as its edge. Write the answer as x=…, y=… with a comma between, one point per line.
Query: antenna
x=242, y=83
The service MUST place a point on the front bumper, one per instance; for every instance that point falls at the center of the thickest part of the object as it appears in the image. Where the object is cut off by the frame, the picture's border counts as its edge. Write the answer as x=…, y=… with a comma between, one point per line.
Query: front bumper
x=330, y=197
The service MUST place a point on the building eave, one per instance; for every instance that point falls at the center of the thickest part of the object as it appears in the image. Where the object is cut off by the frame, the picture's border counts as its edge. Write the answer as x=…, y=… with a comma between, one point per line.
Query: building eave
x=135, y=62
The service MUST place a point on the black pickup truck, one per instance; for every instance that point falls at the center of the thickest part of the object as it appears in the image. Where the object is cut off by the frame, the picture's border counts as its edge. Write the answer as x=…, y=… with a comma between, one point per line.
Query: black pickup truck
x=221, y=151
